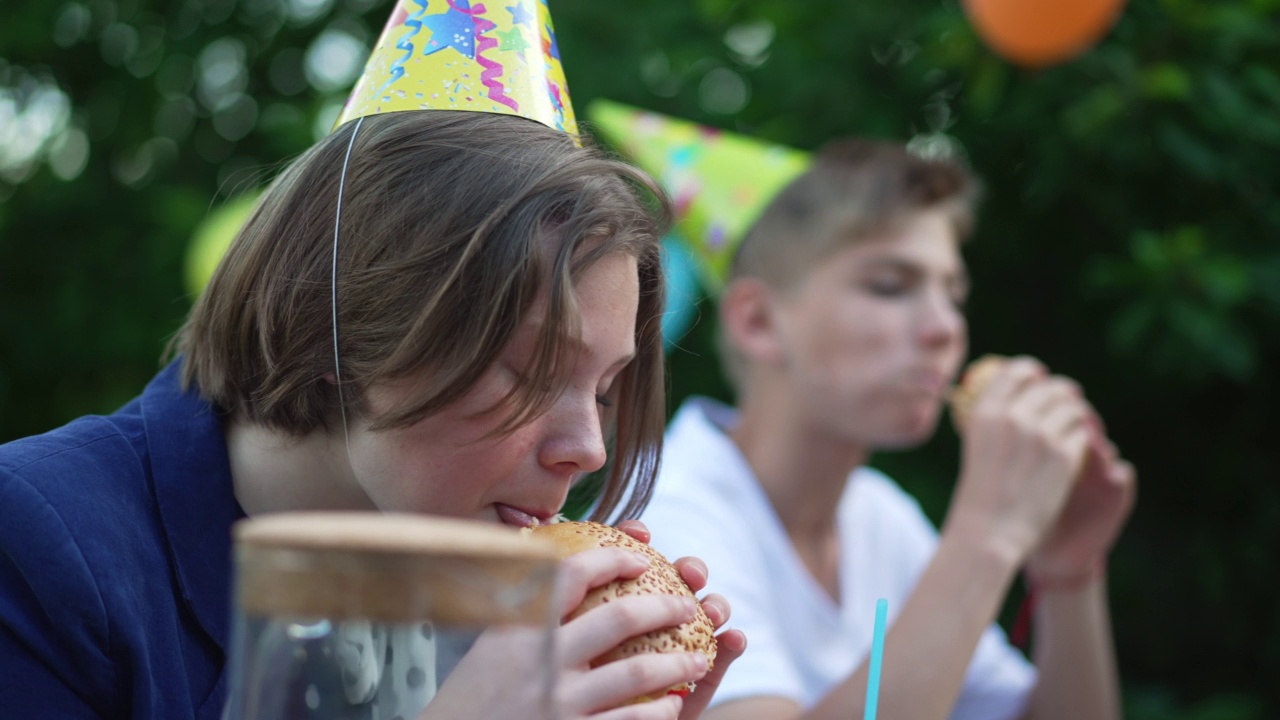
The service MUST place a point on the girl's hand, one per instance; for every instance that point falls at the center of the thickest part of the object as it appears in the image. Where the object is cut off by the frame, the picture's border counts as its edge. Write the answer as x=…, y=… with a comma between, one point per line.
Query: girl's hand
x=729, y=644
x=601, y=692
x=502, y=675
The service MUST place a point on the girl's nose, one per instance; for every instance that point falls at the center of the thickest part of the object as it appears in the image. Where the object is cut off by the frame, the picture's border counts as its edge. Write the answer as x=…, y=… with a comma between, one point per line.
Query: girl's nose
x=574, y=442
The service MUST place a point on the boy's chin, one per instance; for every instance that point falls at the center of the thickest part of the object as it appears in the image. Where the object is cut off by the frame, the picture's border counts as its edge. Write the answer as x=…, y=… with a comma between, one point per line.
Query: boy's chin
x=898, y=444
x=907, y=436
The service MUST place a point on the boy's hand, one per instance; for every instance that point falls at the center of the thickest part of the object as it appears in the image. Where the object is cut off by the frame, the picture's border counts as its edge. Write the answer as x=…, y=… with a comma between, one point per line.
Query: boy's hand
x=1100, y=502
x=1024, y=446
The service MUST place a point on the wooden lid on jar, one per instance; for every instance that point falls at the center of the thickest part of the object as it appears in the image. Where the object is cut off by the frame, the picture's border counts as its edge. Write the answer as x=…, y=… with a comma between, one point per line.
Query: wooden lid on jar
x=392, y=568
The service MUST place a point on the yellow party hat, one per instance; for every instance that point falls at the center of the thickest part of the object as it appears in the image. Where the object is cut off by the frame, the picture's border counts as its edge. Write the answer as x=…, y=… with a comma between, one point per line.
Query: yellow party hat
x=719, y=181
x=499, y=57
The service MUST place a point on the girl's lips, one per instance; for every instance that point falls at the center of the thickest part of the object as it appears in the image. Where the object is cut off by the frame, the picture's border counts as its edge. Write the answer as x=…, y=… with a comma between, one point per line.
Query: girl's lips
x=516, y=517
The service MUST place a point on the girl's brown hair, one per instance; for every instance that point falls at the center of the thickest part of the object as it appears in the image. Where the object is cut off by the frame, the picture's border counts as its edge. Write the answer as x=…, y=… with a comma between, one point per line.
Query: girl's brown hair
x=452, y=224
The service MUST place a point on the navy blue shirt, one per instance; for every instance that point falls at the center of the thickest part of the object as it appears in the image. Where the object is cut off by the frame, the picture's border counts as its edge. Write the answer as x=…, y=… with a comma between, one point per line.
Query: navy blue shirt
x=115, y=563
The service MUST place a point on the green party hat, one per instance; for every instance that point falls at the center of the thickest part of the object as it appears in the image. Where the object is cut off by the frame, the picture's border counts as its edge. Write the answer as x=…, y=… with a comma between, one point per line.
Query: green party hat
x=719, y=181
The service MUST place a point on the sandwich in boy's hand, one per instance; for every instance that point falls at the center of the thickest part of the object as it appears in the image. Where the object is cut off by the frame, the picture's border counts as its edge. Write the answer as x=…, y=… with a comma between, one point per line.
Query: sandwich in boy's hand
x=972, y=382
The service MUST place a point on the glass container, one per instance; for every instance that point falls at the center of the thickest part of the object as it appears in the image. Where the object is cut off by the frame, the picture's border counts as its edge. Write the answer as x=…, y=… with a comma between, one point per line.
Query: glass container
x=365, y=616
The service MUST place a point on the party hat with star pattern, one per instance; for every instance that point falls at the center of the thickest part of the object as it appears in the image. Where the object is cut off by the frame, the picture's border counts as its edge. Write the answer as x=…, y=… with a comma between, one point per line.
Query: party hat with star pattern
x=719, y=181
x=498, y=57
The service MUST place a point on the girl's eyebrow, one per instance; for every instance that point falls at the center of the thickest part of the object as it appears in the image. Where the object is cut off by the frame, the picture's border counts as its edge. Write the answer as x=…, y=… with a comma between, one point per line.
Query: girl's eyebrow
x=577, y=345
x=573, y=344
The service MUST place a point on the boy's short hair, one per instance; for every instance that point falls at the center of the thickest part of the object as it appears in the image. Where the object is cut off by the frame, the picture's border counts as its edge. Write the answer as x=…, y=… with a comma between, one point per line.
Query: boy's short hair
x=452, y=223
x=855, y=189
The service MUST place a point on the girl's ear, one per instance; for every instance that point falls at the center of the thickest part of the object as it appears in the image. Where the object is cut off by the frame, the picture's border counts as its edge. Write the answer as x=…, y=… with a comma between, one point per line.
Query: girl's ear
x=330, y=378
x=748, y=314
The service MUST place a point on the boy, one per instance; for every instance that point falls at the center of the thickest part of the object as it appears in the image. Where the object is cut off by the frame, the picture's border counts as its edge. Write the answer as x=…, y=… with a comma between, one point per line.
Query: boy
x=842, y=330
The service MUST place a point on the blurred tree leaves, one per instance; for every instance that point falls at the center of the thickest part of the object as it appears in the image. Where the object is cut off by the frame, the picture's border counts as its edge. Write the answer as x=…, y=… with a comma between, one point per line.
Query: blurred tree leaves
x=1182, y=304
x=1128, y=233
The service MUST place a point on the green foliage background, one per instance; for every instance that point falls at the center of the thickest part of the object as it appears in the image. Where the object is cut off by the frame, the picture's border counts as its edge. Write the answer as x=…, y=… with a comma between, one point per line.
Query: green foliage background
x=1128, y=234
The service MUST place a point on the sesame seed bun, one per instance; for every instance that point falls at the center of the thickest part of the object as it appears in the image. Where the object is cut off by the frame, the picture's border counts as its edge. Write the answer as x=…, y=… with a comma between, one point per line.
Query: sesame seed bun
x=661, y=578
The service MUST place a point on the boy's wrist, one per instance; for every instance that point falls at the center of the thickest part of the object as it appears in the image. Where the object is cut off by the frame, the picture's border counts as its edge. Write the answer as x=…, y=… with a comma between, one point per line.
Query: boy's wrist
x=981, y=548
x=1065, y=583
x=1041, y=586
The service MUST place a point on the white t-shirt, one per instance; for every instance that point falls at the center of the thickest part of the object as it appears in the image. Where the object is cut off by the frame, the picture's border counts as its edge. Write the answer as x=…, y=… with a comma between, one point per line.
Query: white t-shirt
x=800, y=643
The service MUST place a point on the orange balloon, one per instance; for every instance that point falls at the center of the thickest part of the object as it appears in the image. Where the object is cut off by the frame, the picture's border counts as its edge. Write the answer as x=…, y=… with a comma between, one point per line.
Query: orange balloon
x=1038, y=33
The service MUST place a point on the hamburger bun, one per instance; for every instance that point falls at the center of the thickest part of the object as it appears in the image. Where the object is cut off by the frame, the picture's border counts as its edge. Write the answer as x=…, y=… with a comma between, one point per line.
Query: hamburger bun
x=661, y=578
x=972, y=382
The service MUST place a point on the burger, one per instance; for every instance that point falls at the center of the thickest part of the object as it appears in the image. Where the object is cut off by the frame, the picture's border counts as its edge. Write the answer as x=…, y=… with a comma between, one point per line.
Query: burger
x=973, y=381
x=660, y=578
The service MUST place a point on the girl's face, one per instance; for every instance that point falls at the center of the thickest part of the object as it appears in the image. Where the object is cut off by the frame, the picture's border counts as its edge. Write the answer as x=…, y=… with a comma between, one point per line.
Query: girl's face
x=444, y=464
x=875, y=334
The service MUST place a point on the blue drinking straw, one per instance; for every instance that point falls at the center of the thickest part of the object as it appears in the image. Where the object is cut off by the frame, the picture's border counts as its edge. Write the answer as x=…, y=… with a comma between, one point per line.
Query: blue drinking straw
x=877, y=651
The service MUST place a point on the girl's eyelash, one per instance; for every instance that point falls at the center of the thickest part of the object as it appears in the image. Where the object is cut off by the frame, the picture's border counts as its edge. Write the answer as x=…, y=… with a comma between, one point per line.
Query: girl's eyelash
x=522, y=379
